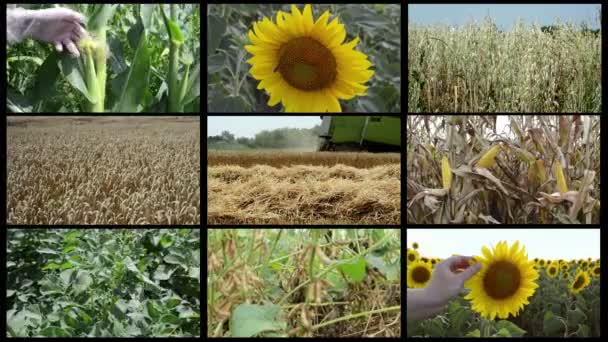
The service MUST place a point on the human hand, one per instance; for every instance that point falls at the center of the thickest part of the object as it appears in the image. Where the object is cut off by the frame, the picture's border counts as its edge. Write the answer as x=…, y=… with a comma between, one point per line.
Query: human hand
x=449, y=276
x=61, y=27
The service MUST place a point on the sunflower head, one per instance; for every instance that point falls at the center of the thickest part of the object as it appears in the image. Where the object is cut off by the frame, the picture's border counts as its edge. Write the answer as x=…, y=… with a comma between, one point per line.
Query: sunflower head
x=506, y=280
x=581, y=280
x=418, y=274
x=412, y=256
x=305, y=64
x=415, y=245
x=595, y=271
x=552, y=270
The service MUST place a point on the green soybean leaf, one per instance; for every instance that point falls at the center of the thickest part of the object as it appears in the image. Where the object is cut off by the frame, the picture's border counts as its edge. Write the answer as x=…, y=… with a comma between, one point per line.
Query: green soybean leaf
x=82, y=282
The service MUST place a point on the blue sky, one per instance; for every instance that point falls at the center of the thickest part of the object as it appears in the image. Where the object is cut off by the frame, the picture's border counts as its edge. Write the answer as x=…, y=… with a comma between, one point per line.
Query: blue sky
x=540, y=243
x=504, y=15
x=248, y=126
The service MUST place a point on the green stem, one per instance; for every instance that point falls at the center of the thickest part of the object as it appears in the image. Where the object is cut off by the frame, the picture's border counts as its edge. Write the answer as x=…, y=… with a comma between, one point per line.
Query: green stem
x=174, y=90
x=91, y=79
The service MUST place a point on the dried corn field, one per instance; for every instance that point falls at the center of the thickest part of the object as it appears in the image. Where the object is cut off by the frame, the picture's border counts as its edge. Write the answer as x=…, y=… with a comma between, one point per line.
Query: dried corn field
x=517, y=169
x=303, y=188
x=476, y=68
x=103, y=170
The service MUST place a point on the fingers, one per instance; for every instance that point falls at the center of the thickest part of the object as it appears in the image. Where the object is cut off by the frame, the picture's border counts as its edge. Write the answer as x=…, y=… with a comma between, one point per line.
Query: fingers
x=458, y=262
x=469, y=272
x=58, y=46
x=71, y=48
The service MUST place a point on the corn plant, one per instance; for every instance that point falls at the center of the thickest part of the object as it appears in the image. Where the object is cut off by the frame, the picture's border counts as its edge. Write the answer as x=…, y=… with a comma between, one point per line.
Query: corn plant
x=478, y=68
x=127, y=64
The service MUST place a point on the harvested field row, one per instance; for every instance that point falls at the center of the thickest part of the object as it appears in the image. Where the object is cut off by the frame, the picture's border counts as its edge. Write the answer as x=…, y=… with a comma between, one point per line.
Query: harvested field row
x=289, y=158
x=304, y=195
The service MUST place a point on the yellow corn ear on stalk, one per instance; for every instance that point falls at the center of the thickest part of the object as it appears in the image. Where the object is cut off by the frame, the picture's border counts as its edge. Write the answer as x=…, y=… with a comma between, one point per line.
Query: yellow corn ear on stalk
x=542, y=175
x=90, y=74
x=559, y=175
x=488, y=159
x=446, y=173
x=94, y=55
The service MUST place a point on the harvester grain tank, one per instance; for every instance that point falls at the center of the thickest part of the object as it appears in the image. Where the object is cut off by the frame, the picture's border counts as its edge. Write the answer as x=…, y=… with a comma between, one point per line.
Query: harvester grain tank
x=361, y=133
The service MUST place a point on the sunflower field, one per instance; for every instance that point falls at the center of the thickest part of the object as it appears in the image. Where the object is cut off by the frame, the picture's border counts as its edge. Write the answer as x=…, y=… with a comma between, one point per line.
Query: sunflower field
x=313, y=58
x=512, y=296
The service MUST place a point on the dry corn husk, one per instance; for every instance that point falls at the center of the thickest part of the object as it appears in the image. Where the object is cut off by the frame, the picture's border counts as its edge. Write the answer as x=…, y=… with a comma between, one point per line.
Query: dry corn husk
x=559, y=175
x=446, y=173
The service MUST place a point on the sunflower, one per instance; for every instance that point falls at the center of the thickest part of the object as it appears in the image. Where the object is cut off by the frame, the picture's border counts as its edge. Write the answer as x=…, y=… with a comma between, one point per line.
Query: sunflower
x=552, y=270
x=505, y=281
x=304, y=64
x=565, y=267
x=595, y=272
x=412, y=256
x=425, y=259
x=584, y=264
x=541, y=263
x=580, y=282
x=418, y=274
x=415, y=245
x=433, y=262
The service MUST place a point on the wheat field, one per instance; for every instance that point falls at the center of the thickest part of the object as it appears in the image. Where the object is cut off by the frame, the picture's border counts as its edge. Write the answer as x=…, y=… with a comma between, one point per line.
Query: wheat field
x=303, y=188
x=103, y=170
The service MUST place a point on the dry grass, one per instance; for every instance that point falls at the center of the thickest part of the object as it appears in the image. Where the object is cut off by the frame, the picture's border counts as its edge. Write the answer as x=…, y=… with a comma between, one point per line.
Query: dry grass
x=304, y=194
x=287, y=158
x=477, y=69
x=104, y=171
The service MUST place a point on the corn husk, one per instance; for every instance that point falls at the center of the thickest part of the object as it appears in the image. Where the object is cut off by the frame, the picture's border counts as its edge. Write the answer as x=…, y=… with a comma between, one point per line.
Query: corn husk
x=559, y=175
x=488, y=159
x=446, y=173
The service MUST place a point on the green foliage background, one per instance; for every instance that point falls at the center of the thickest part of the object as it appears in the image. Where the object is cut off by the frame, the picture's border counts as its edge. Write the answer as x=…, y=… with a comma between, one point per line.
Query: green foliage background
x=103, y=283
x=230, y=87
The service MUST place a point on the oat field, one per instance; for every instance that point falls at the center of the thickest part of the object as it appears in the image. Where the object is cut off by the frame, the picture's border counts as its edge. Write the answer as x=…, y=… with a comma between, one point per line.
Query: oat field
x=478, y=68
x=103, y=170
x=303, y=188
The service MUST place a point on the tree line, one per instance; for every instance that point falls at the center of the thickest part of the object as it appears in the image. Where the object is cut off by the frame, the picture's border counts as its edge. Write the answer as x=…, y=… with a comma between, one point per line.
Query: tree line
x=276, y=138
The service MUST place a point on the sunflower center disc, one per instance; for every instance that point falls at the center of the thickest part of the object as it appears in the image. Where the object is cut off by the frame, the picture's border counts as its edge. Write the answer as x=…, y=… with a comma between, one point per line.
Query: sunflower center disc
x=411, y=257
x=578, y=283
x=502, y=280
x=421, y=275
x=306, y=64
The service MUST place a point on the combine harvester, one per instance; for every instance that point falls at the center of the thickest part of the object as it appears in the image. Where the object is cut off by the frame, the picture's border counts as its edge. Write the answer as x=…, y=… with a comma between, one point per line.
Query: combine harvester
x=361, y=133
